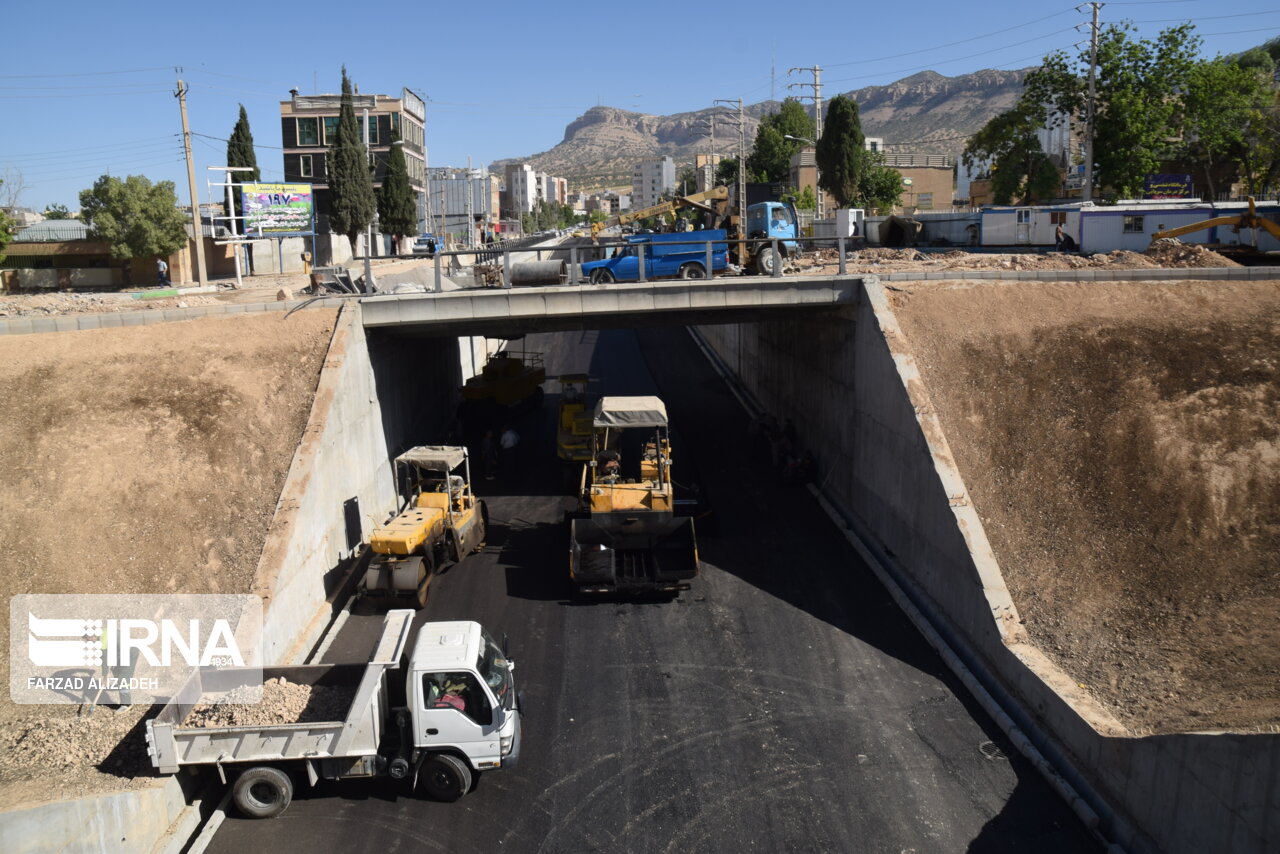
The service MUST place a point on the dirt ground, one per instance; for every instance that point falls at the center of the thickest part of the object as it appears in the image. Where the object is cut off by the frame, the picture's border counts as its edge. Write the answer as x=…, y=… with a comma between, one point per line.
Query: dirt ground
x=143, y=459
x=1163, y=253
x=1121, y=442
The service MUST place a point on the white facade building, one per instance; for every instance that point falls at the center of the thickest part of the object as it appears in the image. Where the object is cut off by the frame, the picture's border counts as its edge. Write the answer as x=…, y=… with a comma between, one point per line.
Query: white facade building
x=650, y=179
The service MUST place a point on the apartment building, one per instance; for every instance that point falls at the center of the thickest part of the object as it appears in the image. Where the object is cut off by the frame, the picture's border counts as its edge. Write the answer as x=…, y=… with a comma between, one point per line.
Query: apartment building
x=650, y=179
x=309, y=128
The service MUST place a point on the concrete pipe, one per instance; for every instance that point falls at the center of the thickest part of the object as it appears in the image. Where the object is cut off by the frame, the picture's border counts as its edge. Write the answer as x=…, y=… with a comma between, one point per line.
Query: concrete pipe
x=539, y=273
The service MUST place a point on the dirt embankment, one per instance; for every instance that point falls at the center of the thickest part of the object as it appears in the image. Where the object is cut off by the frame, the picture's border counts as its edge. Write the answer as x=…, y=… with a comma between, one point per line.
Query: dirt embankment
x=1121, y=442
x=878, y=259
x=138, y=460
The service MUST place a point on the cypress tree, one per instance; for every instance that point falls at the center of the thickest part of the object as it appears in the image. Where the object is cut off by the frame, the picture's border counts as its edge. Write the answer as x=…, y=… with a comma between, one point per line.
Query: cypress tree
x=840, y=151
x=240, y=153
x=397, y=207
x=351, y=196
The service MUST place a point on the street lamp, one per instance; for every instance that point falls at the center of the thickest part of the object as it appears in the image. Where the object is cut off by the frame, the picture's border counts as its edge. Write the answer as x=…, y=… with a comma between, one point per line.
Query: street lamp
x=816, y=172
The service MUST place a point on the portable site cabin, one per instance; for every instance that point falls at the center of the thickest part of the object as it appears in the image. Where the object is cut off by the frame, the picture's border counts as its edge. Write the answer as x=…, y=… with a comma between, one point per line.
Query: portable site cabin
x=1128, y=225
x=1029, y=226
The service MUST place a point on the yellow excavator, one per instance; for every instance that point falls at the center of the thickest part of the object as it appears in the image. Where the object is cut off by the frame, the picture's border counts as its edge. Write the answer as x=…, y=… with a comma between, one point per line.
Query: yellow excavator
x=440, y=522
x=1248, y=219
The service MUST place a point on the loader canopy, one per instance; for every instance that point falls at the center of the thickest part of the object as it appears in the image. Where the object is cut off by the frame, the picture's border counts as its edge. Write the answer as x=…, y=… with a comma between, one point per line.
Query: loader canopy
x=443, y=458
x=623, y=412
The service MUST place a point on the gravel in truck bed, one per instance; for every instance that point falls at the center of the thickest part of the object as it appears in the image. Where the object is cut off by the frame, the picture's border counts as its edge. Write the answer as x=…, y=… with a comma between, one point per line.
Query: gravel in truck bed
x=283, y=702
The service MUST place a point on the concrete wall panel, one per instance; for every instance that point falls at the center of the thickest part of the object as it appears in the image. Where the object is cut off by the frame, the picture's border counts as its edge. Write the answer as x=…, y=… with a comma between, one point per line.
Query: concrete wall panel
x=851, y=389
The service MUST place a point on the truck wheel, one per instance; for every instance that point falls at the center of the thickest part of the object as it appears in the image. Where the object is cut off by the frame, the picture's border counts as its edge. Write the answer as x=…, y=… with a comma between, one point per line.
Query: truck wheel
x=446, y=778
x=601, y=277
x=263, y=792
x=692, y=271
x=764, y=261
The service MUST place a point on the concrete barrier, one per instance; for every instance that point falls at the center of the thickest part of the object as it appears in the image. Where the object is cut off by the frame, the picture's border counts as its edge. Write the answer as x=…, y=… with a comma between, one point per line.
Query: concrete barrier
x=128, y=822
x=850, y=385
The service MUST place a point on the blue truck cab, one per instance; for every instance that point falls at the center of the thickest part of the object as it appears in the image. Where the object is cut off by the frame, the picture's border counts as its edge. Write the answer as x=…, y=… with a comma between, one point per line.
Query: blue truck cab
x=681, y=254
x=774, y=219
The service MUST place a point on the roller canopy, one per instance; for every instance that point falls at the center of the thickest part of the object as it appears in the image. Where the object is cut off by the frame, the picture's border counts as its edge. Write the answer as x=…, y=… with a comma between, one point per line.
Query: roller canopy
x=443, y=458
x=622, y=412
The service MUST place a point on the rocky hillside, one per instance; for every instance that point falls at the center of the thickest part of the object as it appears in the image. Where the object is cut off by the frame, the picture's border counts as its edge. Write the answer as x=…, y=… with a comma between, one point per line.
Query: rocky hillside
x=926, y=113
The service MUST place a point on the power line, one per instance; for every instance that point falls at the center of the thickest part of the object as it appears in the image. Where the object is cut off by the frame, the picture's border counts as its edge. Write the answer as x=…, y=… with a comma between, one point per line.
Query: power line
x=936, y=63
x=81, y=73
x=87, y=95
x=949, y=44
x=90, y=148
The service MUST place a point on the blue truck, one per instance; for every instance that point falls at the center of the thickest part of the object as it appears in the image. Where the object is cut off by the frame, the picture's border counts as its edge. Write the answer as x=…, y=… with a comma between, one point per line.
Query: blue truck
x=679, y=255
x=765, y=220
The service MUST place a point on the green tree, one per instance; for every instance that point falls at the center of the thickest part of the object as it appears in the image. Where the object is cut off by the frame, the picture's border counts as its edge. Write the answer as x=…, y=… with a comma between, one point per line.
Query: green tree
x=1139, y=108
x=840, y=151
x=804, y=200
x=1224, y=103
x=240, y=153
x=1010, y=144
x=137, y=218
x=770, y=157
x=8, y=228
x=727, y=172
x=57, y=211
x=1139, y=103
x=879, y=186
x=397, y=205
x=351, y=198
x=687, y=180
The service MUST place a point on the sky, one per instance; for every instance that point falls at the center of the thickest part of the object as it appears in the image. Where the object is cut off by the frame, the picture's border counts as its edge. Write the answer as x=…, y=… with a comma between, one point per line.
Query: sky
x=87, y=88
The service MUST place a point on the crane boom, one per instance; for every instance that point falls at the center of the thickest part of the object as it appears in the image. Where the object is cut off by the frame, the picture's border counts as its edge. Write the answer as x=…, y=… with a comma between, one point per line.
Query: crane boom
x=696, y=200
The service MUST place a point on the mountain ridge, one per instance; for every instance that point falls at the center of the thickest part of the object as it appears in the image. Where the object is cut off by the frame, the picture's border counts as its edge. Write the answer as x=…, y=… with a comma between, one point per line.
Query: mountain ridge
x=926, y=112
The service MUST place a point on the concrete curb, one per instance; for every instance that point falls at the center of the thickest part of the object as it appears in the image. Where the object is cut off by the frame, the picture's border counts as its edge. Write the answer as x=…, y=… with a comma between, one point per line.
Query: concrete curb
x=78, y=322
x=1092, y=274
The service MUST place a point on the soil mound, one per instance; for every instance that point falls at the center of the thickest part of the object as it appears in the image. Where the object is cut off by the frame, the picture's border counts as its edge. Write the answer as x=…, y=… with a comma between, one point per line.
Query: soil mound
x=139, y=460
x=1121, y=442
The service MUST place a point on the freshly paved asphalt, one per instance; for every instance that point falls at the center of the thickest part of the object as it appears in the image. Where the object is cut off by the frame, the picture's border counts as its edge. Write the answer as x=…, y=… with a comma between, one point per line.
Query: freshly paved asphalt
x=782, y=704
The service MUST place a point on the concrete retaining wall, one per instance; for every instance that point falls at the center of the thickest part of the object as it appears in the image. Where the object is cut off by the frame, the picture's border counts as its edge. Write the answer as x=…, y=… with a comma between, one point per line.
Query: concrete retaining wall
x=123, y=823
x=851, y=387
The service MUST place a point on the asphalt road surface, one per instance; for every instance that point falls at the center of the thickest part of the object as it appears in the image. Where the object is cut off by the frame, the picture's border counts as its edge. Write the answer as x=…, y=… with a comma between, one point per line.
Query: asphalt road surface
x=782, y=704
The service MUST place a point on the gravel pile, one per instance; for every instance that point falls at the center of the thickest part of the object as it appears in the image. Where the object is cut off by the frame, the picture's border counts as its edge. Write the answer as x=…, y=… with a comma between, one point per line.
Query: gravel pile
x=283, y=702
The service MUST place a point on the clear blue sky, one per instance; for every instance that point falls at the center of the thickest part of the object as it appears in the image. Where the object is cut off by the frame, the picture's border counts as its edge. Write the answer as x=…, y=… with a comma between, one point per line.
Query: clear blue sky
x=87, y=87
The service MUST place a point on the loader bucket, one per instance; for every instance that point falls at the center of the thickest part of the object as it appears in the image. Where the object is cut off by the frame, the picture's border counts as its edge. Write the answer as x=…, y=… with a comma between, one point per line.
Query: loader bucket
x=633, y=553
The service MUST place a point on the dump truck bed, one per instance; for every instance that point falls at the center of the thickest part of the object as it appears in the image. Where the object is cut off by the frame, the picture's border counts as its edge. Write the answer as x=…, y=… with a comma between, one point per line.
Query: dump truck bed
x=171, y=745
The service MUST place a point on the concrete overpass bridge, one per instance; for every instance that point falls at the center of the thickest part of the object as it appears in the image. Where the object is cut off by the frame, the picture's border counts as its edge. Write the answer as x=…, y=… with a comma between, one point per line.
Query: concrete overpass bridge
x=508, y=312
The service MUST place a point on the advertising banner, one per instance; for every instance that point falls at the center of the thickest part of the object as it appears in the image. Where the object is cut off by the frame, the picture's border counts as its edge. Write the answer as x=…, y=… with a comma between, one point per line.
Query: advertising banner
x=1166, y=187
x=278, y=210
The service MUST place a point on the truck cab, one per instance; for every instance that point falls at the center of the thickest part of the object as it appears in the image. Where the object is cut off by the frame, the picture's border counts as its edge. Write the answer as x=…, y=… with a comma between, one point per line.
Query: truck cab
x=462, y=697
x=679, y=254
x=776, y=220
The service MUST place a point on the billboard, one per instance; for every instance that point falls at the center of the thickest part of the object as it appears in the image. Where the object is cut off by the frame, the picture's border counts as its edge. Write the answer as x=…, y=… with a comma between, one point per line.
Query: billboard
x=1167, y=187
x=278, y=210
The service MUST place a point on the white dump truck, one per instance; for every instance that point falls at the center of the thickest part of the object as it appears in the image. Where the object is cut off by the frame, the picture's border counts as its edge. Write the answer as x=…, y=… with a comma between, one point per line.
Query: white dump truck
x=453, y=715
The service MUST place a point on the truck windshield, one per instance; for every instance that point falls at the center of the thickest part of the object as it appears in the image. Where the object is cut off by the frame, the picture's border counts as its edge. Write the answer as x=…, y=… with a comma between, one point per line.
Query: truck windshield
x=495, y=671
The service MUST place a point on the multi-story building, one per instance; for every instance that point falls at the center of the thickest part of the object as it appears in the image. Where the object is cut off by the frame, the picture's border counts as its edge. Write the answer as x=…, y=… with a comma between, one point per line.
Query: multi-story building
x=462, y=199
x=521, y=188
x=704, y=170
x=309, y=128
x=650, y=179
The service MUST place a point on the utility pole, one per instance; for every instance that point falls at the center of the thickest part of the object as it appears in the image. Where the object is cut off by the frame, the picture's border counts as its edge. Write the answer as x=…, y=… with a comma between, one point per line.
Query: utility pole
x=197, y=222
x=817, y=117
x=1086, y=194
x=742, y=177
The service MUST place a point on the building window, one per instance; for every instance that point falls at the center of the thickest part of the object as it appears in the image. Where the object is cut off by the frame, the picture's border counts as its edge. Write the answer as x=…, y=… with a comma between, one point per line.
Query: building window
x=1057, y=218
x=1133, y=225
x=395, y=125
x=308, y=131
x=330, y=130
x=304, y=166
x=1024, y=215
x=373, y=129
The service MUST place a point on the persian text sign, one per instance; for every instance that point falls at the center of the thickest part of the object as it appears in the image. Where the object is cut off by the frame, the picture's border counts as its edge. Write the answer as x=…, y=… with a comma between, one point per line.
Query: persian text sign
x=106, y=648
x=1166, y=187
x=278, y=210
